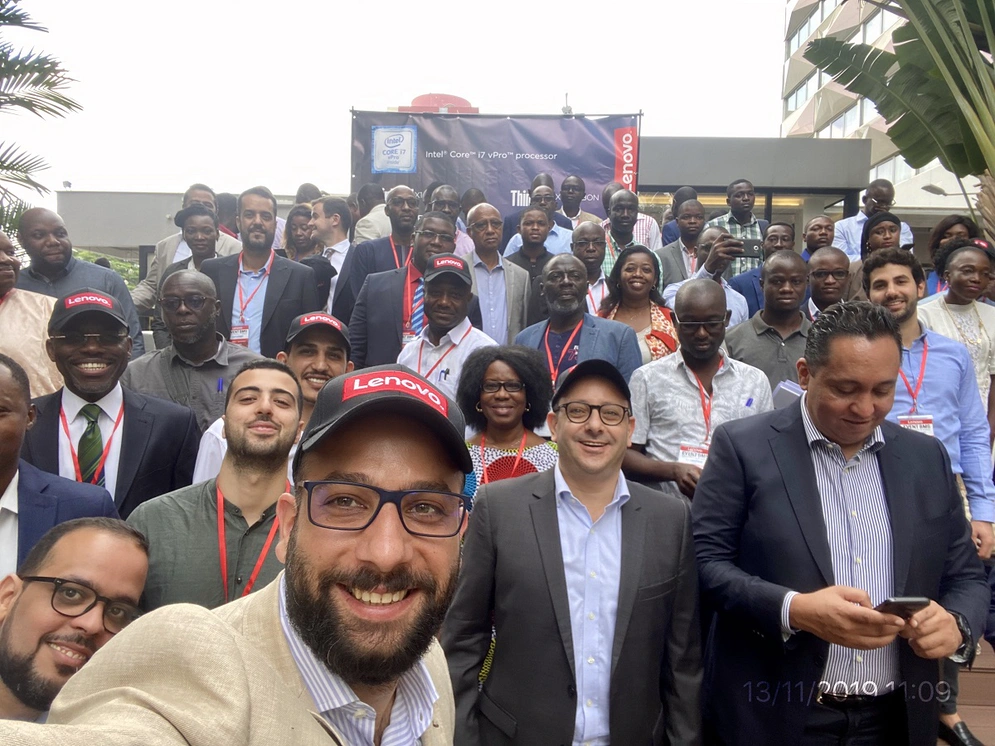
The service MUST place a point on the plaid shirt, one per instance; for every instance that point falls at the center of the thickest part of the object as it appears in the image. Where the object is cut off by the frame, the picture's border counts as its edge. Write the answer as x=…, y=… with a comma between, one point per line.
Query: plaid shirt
x=739, y=230
x=642, y=233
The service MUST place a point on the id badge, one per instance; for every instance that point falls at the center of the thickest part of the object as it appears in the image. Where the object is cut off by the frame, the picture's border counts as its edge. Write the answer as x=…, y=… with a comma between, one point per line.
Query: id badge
x=240, y=335
x=921, y=423
x=408, y=335
x=696, y=455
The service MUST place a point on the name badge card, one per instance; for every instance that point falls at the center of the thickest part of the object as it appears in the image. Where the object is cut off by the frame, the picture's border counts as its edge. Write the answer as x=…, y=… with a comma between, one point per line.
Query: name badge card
x=921, y=423
x=240, y=335
x=407, y=337
x=696, y=455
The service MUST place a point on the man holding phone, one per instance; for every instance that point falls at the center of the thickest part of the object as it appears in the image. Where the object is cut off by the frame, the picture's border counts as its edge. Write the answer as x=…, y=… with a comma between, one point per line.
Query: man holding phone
x=716, y=250
x=808, y=517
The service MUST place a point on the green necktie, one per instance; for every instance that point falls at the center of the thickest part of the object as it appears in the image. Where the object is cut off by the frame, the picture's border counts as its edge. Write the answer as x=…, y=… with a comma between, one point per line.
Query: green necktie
x=91, y=445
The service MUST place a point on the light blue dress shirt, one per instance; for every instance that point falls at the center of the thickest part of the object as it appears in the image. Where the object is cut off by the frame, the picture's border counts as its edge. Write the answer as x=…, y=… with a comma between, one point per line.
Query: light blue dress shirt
x=493, y=295
x=557, y=242
x=949, y=393
x=735, y=301
x=849, y=230
x=249, y=281
x=592, y=564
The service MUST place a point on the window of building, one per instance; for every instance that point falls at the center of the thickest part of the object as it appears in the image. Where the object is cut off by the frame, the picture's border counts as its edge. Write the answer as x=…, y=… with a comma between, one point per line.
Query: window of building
x=808, y=27
x=873, y=28
x=896, y=170
x=868, y=110
x=802, y=93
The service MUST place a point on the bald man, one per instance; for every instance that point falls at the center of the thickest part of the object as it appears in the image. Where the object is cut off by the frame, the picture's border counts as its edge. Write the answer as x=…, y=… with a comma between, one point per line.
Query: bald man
x=673, y=429
x=197, y=367
x=56, y=272
x=774, y=338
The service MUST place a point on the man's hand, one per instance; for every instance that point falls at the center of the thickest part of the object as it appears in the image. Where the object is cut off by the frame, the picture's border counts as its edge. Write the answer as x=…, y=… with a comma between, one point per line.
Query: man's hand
x=844, y=616
x=724, y=249
x=984, y=538
x=686, y=476
x=933, y=632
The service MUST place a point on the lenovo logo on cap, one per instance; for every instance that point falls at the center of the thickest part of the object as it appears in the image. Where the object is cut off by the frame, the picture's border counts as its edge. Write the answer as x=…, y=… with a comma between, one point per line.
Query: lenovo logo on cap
x=320, y=318
x=376, y=383
x=91, y=299
x=447, y=261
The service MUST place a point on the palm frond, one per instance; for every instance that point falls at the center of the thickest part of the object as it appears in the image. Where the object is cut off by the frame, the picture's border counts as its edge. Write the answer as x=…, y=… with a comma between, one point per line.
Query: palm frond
x=11, y=209
x=17, y=168
x=35, y=83
x=11, y=15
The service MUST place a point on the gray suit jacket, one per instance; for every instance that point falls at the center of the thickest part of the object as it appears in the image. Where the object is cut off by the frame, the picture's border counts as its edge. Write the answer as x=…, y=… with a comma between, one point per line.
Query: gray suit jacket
x=672, y=267
x=146, y=293
x=516, y=286
x=513, y=574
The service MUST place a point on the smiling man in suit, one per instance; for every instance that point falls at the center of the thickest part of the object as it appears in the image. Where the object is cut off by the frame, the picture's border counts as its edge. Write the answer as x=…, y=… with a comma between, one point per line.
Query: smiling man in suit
x=807, y=518
x=31, y=501
x=260, y=293
x=94, y=430
x=590, y=584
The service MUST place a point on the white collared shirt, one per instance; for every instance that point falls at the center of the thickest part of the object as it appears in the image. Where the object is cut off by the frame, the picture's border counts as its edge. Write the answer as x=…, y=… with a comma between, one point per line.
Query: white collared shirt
x=456, y=345
x=8, y=528
x=595, y=294
x=110, y=405
x=813, y=310
x=336, y=257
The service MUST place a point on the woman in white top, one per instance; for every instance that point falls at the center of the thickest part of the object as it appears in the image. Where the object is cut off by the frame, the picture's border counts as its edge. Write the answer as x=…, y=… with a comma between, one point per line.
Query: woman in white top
x=965, y=265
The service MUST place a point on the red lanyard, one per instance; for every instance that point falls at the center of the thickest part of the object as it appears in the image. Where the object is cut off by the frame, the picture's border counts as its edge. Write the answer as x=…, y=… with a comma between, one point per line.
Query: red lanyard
x=596, y=305
x=706, y=403
x=443, y=357
x=409, y=296
x=692, y=260
x=223, y=547
x=612, y=246
x=397, y=257
x=103, y=456
x=243, y=303
x=518, y=458
x=922, y=374
x=554, y=373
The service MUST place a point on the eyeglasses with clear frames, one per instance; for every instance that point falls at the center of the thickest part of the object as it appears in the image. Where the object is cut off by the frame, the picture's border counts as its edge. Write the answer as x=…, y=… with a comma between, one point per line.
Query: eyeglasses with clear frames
x=352, y=506
x=579, y=412
x=432, y=235
x=493, y=223
x=74, y=599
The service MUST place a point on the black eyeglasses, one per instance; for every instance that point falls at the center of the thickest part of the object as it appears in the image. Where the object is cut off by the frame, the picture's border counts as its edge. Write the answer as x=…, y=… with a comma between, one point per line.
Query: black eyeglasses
x=78, y=339
x=822, y=274
x=712, y=327
x=73, y=599
x=543, y=199
x=193, y=302
x=432, y=235
x=579, y=412
x=558, y=275
x=492, y=387
x=350, y=506
x=481, y=225
x=583, y=244
x=441, y=204
x=402, y=202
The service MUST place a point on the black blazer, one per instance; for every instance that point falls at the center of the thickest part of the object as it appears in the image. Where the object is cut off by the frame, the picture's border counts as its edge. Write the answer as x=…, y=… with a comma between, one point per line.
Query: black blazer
x=45, y=500
x=361, y=261
x=759, y=532
x=159, y=441
x=377, y=321
x=290, y=291
x=512, y=576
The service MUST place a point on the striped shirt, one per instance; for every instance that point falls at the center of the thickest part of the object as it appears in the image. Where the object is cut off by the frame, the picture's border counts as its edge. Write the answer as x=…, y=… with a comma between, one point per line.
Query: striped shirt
x=355, y=720
x=645, y=232
x=858, y=527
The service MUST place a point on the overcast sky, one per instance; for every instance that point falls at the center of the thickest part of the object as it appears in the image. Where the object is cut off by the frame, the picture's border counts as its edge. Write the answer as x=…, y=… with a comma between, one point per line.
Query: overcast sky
x=237, y=93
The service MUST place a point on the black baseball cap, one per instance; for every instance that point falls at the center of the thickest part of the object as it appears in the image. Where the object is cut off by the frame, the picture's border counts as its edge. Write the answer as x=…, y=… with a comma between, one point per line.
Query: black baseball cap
x=442, y=264
x=385, y=389
x=315, y=319
x=86, y=300
x=595, y=368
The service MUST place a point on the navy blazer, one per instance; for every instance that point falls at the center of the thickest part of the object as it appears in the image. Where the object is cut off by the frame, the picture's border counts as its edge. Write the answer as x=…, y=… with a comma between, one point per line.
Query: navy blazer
x=290, y=291
x=44, y=500
x=600, y=339
x=377, y=323
x=747, y=284
x=159, y=441
x=361, y=261
x=759, y=532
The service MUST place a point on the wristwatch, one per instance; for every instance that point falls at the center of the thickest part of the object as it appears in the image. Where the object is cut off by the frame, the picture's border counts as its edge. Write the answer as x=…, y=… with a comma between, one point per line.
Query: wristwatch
x=967, y=650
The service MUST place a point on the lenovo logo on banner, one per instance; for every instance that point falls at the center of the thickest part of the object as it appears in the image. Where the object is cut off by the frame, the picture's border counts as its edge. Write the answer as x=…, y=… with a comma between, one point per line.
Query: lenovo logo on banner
x=321, y=318
x=626, y=156
x=375, y=383
x=89, y=299
x=447, y=262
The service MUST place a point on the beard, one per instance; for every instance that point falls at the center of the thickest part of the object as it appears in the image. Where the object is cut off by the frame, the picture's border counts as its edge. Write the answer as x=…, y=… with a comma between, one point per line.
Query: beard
x=357, y=651
x=563, y=306
x=19, y=675
x=255, y=456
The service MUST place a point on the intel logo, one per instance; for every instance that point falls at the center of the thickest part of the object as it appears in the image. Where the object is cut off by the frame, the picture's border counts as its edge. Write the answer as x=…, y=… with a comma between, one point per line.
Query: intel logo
x=393, y=141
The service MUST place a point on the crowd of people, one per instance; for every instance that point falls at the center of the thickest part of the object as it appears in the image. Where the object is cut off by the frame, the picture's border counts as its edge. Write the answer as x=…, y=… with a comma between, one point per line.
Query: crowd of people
x=401, y=469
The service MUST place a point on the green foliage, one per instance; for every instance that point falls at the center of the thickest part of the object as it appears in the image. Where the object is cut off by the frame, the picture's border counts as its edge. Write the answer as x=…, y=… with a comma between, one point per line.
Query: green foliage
x=937, y=90
x=31, y=82
x=127, y=270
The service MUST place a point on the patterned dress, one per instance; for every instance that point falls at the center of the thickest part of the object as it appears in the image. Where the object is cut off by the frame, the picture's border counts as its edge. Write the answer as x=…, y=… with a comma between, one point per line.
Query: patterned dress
x=501, y=463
